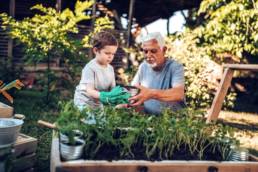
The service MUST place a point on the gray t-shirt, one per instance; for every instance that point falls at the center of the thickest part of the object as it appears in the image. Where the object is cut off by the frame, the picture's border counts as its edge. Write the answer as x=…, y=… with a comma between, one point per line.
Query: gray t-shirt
x=170, y=76
x=103, y=79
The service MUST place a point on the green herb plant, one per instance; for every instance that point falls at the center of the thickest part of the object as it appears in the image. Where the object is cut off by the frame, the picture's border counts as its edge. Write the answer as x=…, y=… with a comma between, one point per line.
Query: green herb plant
x=127, y=134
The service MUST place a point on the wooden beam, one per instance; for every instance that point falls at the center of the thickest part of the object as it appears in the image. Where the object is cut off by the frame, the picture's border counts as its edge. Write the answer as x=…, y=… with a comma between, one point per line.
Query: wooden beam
x=251, y=67
x=220, y=95
x=94, y=9
x=12, y=8
x=168, y=26
x=93, y=19
x=10, y=41
x=59, y=5
x=129, y=25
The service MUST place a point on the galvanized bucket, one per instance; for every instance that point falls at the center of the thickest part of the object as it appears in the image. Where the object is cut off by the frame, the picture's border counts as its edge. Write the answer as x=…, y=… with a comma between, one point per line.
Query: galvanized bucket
x=77, y=135
x=239, y=154
x=9, y=131
x=72, y=152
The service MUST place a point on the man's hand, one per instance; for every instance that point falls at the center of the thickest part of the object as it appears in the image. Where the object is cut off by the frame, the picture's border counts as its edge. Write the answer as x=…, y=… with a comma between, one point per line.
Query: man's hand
x=172, y=94
x=145, y=94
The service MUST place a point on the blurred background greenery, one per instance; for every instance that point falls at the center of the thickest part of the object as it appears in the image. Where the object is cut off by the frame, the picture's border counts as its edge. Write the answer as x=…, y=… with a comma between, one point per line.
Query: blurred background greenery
x=55, y=47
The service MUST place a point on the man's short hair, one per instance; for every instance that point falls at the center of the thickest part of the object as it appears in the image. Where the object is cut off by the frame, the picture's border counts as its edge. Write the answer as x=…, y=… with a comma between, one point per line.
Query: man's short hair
x=154, y=35
x=104, y=38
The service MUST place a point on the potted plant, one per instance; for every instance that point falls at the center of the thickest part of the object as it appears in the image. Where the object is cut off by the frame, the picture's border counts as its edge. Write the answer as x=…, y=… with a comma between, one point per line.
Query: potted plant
x=71, y=142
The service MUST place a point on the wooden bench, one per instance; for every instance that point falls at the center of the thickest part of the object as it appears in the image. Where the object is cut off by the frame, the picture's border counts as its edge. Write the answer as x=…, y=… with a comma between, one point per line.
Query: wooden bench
x=223, y=87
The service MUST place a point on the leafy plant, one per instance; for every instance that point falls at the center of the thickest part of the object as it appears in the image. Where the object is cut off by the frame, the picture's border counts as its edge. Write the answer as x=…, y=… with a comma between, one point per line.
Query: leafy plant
x=126, y=134
x=230, y=27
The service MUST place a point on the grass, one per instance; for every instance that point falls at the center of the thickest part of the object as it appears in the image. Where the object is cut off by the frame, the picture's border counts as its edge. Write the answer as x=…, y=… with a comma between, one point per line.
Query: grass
x=31, y=104
x=246, y=126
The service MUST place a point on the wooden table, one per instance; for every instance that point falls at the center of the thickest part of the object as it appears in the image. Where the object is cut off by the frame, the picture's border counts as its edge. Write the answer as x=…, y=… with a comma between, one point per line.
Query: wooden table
x=224, y=85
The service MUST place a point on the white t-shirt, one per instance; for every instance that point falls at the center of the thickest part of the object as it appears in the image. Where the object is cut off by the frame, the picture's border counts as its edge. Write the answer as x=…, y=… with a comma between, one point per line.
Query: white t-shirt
x=102, y=78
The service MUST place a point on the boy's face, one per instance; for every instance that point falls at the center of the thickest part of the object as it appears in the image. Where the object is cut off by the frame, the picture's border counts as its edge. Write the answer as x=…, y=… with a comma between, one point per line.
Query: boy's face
x=105, y=55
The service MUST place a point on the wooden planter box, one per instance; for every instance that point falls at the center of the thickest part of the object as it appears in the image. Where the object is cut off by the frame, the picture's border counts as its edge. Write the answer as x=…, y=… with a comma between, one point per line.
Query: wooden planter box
x=5, y=111
x=25, y=153
x=147, y=166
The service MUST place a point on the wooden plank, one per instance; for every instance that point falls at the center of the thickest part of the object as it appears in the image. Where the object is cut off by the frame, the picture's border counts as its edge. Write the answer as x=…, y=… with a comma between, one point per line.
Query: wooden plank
x=5, y=111
x=168, y=166
x=23, y=163
x=220, y=95
x=55, y=162
x=251, y=67
x=25, y=145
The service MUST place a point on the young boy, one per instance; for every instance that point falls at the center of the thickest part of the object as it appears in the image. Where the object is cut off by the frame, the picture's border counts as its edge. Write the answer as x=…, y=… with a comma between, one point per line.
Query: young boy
x=98, y=76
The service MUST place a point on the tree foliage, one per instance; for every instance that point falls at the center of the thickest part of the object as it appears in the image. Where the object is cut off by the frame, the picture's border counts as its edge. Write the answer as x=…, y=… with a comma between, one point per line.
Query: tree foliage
x=49, y=34
x=230, y=26
x=201, y=73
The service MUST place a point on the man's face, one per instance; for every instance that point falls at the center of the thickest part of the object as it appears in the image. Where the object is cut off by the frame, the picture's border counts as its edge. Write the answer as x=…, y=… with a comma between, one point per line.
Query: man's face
x=154, y=54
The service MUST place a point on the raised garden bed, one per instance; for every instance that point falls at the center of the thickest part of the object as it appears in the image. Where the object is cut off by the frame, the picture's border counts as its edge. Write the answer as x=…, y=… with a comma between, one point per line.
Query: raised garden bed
x=124, y=140
x=57, y=165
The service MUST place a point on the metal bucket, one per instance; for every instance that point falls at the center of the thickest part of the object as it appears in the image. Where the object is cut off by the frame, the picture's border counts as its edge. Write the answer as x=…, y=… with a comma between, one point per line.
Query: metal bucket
x=72, y=152
x=77, y=135
x=240, y=154
x=9, y=131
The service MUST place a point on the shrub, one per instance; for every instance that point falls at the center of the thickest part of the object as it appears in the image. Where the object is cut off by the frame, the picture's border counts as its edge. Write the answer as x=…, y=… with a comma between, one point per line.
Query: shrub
x=201, y=73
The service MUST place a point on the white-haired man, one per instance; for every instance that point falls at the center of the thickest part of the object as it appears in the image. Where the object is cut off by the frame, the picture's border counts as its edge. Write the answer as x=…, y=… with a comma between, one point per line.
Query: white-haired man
x=160, y=79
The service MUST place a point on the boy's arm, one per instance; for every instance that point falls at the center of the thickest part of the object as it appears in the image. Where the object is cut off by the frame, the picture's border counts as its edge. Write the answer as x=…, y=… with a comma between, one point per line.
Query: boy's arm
x=92, y=91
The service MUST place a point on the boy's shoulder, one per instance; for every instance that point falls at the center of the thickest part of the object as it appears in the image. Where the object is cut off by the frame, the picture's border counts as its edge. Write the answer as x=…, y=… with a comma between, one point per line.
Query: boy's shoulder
x=91, y=63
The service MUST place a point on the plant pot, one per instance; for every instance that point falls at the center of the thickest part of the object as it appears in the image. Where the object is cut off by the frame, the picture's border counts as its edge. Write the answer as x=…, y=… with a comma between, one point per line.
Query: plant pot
x=9, y=131
x=65, y=139
x=72, y=152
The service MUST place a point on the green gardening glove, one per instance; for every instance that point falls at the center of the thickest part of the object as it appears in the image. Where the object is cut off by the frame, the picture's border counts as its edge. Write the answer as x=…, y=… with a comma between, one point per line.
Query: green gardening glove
x=105, y=97
x=116, y=96
x=120, y=99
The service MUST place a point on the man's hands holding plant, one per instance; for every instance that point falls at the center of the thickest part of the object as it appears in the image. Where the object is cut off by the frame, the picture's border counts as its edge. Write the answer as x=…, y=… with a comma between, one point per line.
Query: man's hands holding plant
x=140, y=98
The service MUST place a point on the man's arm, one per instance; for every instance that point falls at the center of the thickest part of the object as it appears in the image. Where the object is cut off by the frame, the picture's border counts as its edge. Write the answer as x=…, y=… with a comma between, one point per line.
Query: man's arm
x=172, y=94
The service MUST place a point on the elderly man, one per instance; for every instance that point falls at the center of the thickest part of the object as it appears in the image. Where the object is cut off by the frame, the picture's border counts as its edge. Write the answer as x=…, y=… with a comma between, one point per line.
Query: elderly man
x=160, y=79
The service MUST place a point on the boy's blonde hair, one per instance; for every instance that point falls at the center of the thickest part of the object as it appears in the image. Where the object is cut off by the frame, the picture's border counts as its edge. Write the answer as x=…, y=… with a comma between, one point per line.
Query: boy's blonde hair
x=102, y=39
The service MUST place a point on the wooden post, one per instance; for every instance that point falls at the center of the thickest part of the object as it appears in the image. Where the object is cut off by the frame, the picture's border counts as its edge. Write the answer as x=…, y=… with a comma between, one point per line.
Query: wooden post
x=10, y=41
x=220, y=95
x=168, y=26
x=59, y=5
x=93, y=19
x=94, y=9
x=129, y=25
